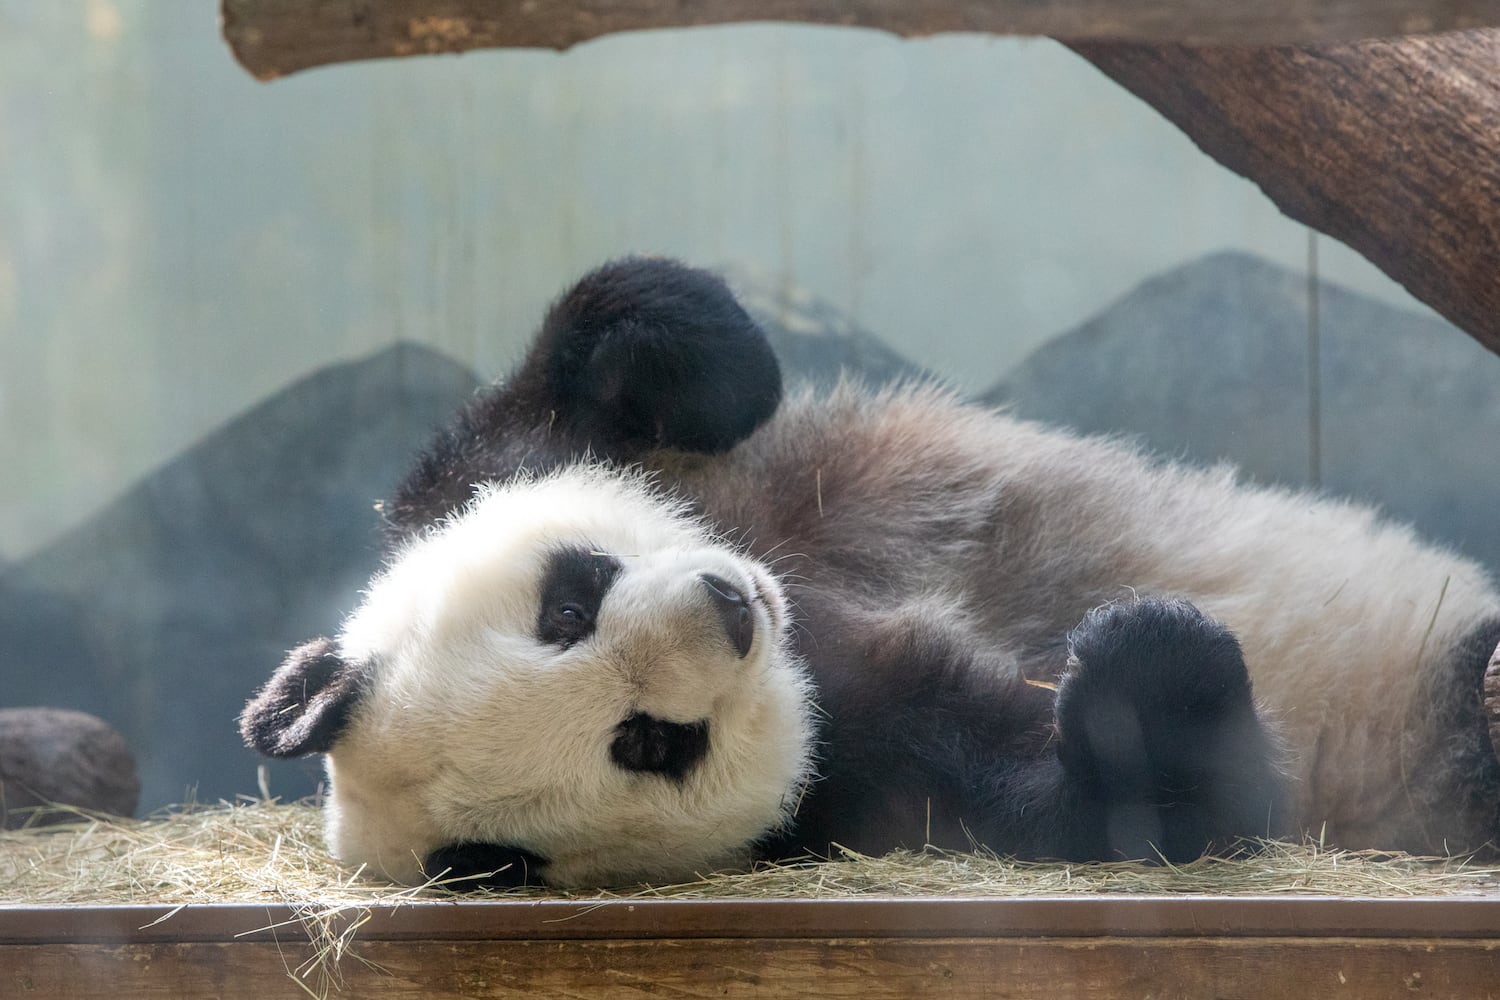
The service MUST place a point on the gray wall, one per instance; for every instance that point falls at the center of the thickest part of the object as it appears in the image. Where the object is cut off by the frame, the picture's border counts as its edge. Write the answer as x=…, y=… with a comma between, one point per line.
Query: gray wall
x=228, y=310
x=178, y=241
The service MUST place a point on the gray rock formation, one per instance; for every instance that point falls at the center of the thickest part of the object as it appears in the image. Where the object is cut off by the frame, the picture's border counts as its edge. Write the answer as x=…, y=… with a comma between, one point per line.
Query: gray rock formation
x=55, y=757
x=1209, y=362
x=814, y=341
x=163, y=612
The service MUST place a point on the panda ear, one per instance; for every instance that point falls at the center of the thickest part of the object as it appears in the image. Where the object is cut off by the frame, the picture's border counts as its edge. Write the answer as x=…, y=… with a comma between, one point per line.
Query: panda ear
x=305, y=705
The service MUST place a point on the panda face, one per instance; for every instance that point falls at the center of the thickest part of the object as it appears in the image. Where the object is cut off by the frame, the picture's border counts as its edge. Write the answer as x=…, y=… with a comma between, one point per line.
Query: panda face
x=574, y=667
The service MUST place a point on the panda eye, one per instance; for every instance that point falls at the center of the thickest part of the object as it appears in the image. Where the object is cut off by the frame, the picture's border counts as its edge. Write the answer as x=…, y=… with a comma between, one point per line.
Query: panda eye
x=569, y=624
x=574, y=585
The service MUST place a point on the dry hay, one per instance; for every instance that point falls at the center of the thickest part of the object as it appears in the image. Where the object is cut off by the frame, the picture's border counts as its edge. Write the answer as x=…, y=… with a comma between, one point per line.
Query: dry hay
x=263, y=852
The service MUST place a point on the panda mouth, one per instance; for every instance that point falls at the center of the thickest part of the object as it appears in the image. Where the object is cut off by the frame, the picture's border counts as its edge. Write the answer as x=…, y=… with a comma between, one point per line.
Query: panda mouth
x=648, y=745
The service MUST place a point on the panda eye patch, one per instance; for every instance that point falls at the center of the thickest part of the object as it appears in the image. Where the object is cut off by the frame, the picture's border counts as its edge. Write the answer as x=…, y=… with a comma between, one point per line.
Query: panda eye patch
x=574, y=582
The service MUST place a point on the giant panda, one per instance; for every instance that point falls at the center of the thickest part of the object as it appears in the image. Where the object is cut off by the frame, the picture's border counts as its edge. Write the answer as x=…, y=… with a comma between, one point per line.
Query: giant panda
x=643, y=617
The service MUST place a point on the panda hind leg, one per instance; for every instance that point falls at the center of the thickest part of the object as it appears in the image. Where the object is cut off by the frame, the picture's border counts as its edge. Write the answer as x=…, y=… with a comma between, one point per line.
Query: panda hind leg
x=1160, y=737
x=640, y=354
x=649, y=353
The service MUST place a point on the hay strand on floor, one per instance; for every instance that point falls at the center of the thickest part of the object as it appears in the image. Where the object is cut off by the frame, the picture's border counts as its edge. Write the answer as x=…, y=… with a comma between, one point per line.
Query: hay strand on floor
x=268, y=852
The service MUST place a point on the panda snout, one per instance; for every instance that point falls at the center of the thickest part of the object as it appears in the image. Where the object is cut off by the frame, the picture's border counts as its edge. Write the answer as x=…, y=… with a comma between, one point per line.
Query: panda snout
x=732, y=606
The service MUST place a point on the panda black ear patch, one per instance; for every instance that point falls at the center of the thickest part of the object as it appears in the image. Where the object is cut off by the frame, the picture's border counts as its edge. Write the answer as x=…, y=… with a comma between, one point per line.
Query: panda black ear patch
x=305, y=705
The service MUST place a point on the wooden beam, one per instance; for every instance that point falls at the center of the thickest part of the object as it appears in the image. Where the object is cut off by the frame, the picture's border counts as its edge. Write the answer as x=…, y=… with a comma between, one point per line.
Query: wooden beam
x=881, y=969
x=1474, y=916
x=273, y=38
x=1392, y=147
x=1079, y=946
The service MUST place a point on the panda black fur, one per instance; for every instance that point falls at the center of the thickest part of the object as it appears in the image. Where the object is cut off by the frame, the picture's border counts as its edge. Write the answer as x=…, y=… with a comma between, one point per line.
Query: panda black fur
x=680, y=622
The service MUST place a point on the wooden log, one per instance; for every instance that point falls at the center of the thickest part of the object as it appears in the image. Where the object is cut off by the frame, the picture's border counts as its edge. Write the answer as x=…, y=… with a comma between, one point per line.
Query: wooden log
x=1092, y=947
x=273, y=38
x=1392, y=147
x=958, y=969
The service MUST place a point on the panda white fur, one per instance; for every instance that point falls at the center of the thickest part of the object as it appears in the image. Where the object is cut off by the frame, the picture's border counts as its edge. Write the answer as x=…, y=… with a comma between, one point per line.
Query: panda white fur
x=645, y=618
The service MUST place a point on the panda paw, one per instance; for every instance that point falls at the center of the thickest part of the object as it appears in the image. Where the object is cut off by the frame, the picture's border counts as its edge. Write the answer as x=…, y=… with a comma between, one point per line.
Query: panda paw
x=649, y=353
x=469, y=866
x=1160, y=736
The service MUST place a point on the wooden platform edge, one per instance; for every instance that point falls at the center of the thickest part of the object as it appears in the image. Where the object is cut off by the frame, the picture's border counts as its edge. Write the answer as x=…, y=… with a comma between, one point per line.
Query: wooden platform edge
x=1453, y=918
x=1087, y=947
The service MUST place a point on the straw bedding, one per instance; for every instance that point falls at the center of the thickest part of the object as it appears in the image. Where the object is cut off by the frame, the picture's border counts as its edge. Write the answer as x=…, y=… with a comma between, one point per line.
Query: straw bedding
x=261, y=851
x=265, y=852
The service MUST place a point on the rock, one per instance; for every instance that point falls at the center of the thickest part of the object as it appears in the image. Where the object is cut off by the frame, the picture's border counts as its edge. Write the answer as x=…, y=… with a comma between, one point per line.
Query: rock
x=53, y=756
x=813, y=340
x=1209, y=362
x=165, y=610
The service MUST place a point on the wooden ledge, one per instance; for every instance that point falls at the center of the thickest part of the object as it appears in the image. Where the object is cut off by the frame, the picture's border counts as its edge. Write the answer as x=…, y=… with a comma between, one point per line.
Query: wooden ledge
x=865, y=917
x=1091, y=947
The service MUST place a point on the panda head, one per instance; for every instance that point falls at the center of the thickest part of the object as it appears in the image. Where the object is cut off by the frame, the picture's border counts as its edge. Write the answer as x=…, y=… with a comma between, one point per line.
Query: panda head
x=572, y=666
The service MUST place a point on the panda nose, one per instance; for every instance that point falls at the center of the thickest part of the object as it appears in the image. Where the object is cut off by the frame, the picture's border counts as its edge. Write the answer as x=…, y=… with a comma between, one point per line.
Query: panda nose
x=733, y=610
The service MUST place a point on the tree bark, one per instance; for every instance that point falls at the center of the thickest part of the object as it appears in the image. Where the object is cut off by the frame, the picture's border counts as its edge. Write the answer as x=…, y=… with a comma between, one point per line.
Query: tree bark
x=272, y=38
x=1392, y=147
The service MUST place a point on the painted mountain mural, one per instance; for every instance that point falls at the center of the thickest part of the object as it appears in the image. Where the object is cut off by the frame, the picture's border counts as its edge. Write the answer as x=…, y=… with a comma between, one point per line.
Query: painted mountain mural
x=164, y=611
x=1209, y=362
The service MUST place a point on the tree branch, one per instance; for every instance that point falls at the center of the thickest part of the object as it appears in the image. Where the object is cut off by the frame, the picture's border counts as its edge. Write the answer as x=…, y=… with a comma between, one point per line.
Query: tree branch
x=1392, y=147
x=273, y=38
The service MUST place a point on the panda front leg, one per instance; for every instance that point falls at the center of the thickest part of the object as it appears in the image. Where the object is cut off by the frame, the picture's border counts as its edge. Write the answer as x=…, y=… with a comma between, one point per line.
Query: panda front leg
x=1162, y=747
x=641, y=354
